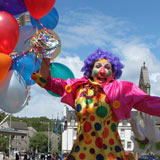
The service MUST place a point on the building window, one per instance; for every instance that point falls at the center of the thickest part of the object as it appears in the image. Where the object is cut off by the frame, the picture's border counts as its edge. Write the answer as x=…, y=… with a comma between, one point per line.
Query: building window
x=122, y=133
x=129, y=145
x=75, y=133
x=72, y=122
x=22, y=137
x=123, y=143
x=124, y=123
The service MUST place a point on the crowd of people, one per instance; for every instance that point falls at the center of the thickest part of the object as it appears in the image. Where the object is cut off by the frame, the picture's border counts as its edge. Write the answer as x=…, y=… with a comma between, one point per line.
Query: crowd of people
x=39, y=156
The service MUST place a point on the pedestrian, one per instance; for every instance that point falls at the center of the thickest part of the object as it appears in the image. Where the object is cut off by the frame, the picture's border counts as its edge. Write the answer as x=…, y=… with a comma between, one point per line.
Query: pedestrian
x=17, y=156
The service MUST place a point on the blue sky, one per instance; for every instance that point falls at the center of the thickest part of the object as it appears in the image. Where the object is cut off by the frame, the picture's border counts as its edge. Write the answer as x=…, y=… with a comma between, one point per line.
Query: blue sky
x=130, y=29
x=136, y=18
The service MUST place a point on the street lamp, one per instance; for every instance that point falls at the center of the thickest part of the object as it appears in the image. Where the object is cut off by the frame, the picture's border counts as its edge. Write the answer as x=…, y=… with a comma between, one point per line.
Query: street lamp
x=48, y=134
x=10, y=136
x=48, y=137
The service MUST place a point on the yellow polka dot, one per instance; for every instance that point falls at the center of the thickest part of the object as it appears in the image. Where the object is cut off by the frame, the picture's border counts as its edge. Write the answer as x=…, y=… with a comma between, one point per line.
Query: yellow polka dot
x=68, y=88
x=116, y=104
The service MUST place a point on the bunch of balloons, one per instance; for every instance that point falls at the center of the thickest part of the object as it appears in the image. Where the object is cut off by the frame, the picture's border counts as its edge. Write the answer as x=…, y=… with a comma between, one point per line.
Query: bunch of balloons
x=16, y=70
x=11, y=36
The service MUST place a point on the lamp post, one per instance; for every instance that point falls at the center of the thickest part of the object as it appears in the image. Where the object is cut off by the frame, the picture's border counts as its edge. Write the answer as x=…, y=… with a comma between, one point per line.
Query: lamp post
x=48, y=134
x=10, y=136
x=48, y=138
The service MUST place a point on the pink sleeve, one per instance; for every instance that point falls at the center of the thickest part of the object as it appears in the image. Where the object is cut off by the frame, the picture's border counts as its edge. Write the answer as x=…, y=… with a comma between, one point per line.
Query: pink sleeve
x=56, y=85
x=142, y=101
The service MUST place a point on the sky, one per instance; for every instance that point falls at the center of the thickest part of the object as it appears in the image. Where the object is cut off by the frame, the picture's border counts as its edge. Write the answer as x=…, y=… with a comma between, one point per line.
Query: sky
x=129, y=29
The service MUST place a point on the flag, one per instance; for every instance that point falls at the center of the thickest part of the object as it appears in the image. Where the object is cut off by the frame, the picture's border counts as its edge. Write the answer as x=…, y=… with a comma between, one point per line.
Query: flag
x=56, y=128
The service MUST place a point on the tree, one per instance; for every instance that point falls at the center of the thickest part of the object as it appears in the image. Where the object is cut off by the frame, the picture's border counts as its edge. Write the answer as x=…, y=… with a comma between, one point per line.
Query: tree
x=4, y=143
x=39, y=142
x=2, y=116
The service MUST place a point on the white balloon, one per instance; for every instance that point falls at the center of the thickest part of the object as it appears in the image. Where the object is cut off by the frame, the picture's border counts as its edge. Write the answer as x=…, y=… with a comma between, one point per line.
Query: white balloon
x=13, y=93
x=26, y=32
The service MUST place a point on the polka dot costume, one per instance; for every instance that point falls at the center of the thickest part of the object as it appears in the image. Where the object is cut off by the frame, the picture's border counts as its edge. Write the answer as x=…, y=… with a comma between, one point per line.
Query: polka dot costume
x=97, y=137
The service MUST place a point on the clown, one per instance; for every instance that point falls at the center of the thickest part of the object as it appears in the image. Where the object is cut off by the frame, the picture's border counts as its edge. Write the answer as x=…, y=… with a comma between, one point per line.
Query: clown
x=100, y=102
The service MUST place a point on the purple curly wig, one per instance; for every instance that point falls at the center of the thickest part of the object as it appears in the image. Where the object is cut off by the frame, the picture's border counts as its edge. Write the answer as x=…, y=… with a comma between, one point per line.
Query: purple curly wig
x=100, y=54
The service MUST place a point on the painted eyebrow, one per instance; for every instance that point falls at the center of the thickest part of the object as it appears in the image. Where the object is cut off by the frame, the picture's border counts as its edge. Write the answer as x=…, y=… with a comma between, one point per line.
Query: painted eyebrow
x=102, y=63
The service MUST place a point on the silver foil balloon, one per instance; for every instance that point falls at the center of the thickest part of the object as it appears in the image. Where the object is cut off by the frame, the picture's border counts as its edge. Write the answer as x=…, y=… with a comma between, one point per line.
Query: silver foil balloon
x=13, y=93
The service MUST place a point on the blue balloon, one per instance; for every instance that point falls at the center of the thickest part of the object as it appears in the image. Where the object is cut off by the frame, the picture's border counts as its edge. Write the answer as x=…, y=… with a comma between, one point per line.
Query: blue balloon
x=59, y=70
x=14, y=7
x=25, y=65
x=26, y=32
x=49, y=21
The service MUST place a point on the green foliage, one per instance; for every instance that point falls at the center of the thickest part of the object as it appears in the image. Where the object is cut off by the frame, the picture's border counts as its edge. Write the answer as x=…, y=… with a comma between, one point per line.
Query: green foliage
x=4, y=143
x=2, y=116
x=39, y=142
x=60, y=145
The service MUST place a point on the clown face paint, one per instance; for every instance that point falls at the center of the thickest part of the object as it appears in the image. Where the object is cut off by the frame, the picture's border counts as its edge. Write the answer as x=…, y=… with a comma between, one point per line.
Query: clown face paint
x=102, y=71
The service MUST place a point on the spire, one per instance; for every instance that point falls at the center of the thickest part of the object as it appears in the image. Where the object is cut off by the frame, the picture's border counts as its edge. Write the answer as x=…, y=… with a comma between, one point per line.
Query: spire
x=144, y=82
x=144, y=64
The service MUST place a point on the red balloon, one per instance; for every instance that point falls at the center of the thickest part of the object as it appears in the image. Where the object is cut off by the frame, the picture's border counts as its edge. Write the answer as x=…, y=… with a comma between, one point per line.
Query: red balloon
x=39, y=8
x=9, y=32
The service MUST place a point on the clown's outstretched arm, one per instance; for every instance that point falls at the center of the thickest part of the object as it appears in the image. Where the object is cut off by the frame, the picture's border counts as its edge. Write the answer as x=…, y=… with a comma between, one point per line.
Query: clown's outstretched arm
x=44, y=68
x=44, y=80
x=43, y=74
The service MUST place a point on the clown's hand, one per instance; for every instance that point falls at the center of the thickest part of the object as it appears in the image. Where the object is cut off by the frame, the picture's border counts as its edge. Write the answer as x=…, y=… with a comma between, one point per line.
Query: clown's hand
x=151, y=130
x=137, y=129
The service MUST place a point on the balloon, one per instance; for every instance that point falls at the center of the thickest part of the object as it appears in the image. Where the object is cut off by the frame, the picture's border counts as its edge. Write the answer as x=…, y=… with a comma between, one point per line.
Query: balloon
x=59, y=70
x=14, y=7
x=5, y=63
x=9, y=32
x=39, y=8
x=13, y=97
x=49, y=21
x=25, y=65
x=56, y=53
x=23, y=44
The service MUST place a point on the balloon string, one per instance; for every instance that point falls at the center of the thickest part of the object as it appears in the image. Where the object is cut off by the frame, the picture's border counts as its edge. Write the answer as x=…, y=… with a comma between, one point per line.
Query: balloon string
x=41, y=25
x=26, y=89
x=21, y=71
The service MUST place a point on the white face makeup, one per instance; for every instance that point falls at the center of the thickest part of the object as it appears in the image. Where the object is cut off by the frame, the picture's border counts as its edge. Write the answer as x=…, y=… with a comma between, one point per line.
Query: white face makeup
x=102, y=71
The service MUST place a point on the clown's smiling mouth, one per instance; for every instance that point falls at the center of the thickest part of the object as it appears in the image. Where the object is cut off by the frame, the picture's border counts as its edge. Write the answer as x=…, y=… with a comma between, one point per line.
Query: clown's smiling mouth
x=102, y=79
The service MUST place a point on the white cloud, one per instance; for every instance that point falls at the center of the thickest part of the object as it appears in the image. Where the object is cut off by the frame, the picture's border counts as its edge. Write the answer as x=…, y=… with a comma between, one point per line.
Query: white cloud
x=87, y=27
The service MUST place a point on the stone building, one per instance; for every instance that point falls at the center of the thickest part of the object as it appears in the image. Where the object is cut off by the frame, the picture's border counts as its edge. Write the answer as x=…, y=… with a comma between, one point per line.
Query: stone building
x=20, y=142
